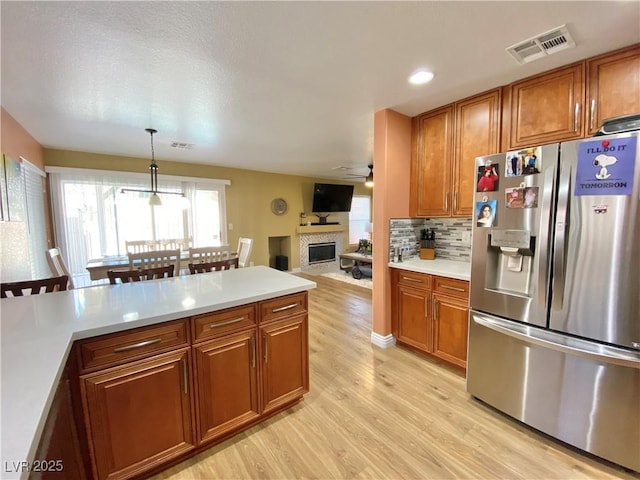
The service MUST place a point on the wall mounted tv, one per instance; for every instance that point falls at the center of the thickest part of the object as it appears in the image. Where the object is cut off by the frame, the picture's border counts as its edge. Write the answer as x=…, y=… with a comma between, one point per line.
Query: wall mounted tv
x=328, y=198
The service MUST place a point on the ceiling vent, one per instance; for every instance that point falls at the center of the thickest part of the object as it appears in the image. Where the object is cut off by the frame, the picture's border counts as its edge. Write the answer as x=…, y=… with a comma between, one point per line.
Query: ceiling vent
x=182, y=145
x=542, y=45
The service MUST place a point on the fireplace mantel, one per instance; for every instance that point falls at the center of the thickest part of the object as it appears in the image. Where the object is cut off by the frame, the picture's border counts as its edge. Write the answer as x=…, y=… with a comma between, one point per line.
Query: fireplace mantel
x=321, y=228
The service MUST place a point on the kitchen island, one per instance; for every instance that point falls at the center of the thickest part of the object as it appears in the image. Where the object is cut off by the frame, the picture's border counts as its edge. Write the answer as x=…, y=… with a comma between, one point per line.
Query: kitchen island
x=39, y=332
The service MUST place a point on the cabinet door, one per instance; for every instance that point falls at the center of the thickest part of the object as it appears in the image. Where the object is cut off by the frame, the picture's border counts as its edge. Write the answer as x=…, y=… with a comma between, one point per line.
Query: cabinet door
x=414, y=320
x=613, y=86
x=547, y=108
x=226, y=384
x=431, y=164
x=138, y=415
x=59, y=448
x=477, y=133
x=450, y=327
x=284, y=354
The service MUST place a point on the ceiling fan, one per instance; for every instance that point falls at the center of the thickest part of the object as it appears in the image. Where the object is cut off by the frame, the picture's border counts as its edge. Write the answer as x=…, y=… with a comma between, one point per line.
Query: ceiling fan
x=368, y=179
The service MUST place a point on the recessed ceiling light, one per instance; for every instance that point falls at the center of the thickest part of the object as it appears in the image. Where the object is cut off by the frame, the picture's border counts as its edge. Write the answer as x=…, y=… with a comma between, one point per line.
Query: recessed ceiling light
x=421, y=77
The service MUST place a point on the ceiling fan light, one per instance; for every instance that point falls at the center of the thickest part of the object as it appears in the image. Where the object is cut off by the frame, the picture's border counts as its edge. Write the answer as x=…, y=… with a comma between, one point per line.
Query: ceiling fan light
x=368, y=182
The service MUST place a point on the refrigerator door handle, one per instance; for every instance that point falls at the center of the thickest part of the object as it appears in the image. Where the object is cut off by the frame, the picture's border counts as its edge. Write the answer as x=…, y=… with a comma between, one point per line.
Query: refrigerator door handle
x=543, y=262
x=559, y=254
x=558, y=342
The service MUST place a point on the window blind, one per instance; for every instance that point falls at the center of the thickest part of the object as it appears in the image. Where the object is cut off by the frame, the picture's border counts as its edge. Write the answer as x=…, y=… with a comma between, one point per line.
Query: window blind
x=36, y=222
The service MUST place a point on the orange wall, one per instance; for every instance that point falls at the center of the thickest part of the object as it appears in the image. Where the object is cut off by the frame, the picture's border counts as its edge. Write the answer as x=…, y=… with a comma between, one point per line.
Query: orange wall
x=392, y=160
x=16, y=142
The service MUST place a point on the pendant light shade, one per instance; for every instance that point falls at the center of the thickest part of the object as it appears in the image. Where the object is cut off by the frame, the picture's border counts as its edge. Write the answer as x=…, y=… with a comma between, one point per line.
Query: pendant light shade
x=368, y=182
x=154, y=199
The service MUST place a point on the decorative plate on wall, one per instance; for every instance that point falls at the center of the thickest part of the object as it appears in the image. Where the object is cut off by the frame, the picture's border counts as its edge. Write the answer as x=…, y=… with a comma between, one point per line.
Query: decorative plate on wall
x=279, y=206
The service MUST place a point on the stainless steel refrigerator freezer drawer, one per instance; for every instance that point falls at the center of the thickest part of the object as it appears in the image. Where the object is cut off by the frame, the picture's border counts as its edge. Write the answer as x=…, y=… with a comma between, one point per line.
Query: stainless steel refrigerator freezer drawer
x=580, y=392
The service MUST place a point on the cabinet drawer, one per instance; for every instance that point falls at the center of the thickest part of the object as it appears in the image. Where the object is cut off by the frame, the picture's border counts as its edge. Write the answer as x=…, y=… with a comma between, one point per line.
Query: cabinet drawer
x=212, y=325
x=118, y=348
x=283, y=307
x=453, y=287
x=414, y=279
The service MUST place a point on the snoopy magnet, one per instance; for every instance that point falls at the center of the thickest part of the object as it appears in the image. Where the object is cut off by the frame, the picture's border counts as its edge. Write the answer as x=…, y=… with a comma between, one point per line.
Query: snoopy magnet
x=605, y=167
x=600, y=208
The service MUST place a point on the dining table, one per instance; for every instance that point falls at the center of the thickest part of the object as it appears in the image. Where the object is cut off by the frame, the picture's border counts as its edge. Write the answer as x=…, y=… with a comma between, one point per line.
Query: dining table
x=98, y=267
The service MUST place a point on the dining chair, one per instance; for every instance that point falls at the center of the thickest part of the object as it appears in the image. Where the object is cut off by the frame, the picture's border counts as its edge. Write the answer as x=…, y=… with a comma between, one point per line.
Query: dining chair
x=34, y=287
x=137, y=246
x=154, y=259
x=227, y=264
x=174, y=243
x=209, y=254
x=58, y=266
x=244, y=251
x=126, y=276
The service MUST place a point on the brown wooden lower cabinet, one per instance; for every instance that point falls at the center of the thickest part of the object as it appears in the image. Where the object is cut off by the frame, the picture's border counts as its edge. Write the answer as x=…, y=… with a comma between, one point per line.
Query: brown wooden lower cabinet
x=58, y=455
x=226, y=384
x=414, y=312
x=431, y=314
x=139, y=415
x=285, y=370
x=450, y=327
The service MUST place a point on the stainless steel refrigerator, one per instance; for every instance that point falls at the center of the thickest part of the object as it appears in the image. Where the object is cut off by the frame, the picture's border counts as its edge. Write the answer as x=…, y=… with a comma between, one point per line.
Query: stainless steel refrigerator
x=554, y=327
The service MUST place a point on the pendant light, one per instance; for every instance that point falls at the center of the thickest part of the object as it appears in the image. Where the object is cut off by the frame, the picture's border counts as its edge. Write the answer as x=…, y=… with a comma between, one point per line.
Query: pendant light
x=154, y=199
x=368, y=182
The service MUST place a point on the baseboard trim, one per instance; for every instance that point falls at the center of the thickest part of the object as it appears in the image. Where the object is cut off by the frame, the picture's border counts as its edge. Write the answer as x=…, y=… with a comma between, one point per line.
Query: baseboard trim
x=296, y=270
x=381, y=341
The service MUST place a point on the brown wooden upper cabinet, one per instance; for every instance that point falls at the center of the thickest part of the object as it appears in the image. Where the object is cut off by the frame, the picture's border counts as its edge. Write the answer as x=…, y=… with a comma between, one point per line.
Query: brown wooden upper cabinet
x=477, y=133
x=547, y=108
x=564, y=104
x=446, y=142
x=430, y=186
x=613, y=86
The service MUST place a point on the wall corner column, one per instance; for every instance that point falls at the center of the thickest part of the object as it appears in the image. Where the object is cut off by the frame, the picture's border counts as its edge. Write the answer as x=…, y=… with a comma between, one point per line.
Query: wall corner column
x=392, y=167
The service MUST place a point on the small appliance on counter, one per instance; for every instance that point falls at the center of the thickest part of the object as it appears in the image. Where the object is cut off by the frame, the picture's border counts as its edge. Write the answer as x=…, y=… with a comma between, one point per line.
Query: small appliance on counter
x=427, y=245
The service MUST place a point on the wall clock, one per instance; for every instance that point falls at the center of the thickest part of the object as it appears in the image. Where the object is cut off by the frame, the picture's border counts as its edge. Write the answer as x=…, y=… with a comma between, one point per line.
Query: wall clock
x=279, y=206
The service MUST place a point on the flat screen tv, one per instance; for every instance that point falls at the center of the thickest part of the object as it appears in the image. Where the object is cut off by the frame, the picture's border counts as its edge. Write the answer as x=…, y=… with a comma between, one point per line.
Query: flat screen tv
x=332, y=198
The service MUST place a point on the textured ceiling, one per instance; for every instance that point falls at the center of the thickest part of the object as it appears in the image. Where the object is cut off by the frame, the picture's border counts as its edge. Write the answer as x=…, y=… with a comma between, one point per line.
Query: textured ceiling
x=288, y=87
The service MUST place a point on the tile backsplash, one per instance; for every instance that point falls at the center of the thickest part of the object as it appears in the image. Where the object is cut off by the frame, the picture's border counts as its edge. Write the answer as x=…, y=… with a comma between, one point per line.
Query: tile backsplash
x=452, y=236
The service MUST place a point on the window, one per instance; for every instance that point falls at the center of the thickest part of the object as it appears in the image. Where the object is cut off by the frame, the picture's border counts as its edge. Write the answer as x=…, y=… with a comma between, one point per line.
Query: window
x=94, y=218
x=359, y=217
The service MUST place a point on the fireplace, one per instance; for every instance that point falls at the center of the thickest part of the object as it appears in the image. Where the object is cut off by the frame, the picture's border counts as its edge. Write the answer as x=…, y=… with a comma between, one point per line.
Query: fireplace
x=322, y=252
x=318, y=251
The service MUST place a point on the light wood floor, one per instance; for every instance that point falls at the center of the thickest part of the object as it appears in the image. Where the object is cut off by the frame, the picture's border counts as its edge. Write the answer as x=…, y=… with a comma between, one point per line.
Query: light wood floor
x=384, y=414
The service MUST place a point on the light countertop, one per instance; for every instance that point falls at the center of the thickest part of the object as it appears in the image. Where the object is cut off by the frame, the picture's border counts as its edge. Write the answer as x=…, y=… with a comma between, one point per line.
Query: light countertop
x=437, y=266
x=38, y=331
